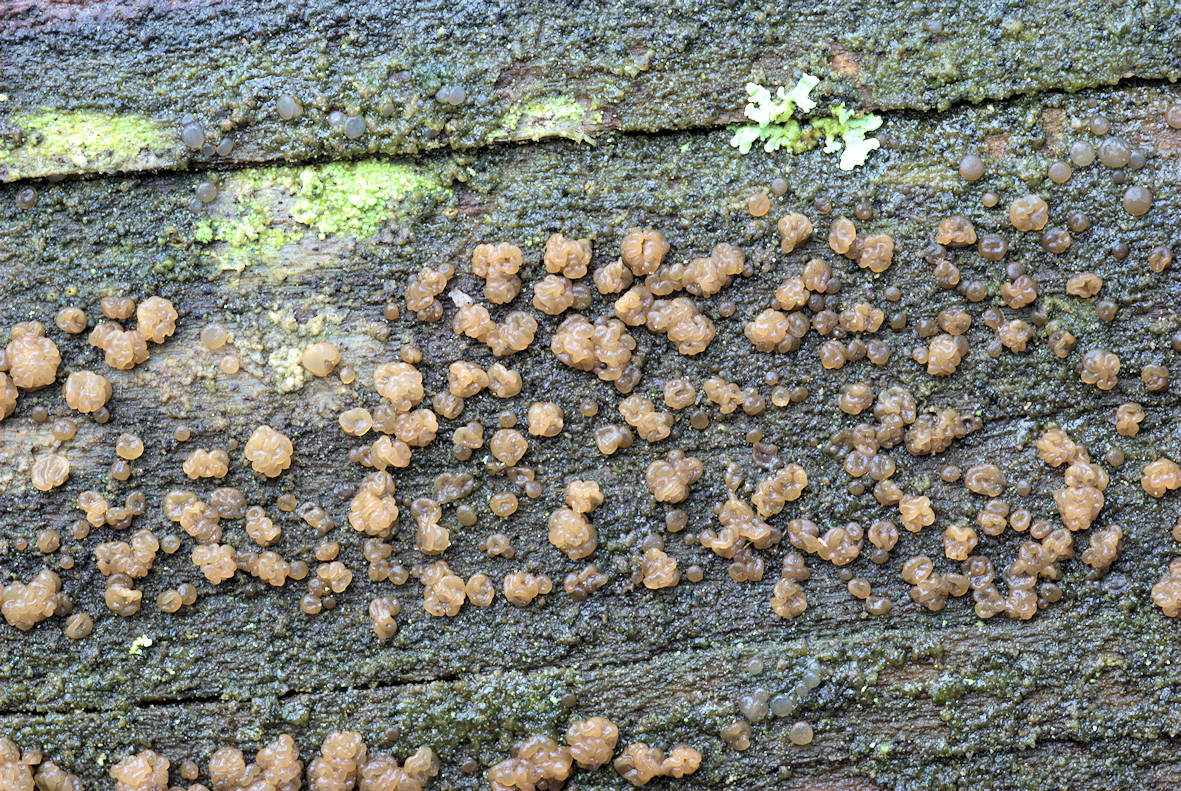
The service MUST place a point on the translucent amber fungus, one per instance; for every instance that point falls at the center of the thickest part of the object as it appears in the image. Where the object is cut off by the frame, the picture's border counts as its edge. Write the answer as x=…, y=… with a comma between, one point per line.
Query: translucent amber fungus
x=8, y=396
x=686, y=326
x=592, y=741
x=553, y=294
x=583, y=496
x=400, y=383
x=498, y=265
x=1028, y=213
x=768, y=331
x=669, y=479
x=218, y=562
x=321, y=359
x=466, y=379
x=383, y=611
x=538, y=763
x=86, y=391
x=202, y=463
x=956, y=231
x=567, y=257
x=423, y=287
x=545, y=419
x=705, y=277
x=916, y=512
x=788, y=599
x=643, y=251
x=122, y=349
x=1100, y=367
x=268, y=451
x=50, y=471
x=1127, y=419
x=659, y=570
x=777, y=490
x=356, y=422
x=373, y=510
x=71, y=320
x=508, y=446
x=145, y=771
x=26, y=605
x=639, y=763
x=521, y=588
x=877, y=252
x=1160, y=476
x=572, y=533
x=155, y=319
x=1166, y=593
x=794, y=230
x=32, y=360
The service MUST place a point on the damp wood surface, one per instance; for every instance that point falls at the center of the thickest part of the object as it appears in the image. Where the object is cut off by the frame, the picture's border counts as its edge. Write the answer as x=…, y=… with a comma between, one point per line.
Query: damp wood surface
x=94, y=74
x=1081, y=696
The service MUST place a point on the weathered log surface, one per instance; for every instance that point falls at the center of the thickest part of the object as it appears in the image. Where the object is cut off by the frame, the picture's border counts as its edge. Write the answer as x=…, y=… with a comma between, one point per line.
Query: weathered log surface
x=1082, y=696
x=107, y=86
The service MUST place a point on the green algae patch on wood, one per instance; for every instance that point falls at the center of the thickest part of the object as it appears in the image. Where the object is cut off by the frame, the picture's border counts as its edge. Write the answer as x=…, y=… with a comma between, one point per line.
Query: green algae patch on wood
x=558, y=116
x=354, y=198
x=86, y=141
x=258, y=212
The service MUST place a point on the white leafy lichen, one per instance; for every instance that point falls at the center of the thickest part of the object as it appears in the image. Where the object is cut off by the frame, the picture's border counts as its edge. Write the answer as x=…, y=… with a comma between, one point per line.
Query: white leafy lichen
x=775, y=125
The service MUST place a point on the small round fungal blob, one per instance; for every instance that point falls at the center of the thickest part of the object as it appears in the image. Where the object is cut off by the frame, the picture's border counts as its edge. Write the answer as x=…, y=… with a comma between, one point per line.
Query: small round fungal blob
x=155, y=319
x=79, y=625
x=400, y=383
x=992, y=246
x=63, y=429
x=971, y=168
x=1081, y=154
x=1137, y=200
x=26, y=198
x=643, y=251
x=214, y=336
x=800, y=733
x=321, y=359
x=508, y=446
x=1114, y=152
x=545, y=419
x=1058, y=172
x=1173, y=115
x=206, y=192
x=354, y=127
x=193, y=135
x=758, y=204
x=288, y=107
x=129, y=446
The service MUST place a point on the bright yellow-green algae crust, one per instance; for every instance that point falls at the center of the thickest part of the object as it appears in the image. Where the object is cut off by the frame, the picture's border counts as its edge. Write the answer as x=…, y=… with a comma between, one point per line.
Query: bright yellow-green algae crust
x=261, y=209
x=557, y=116
x=95, y=141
